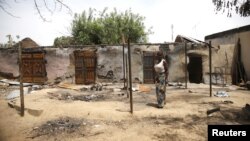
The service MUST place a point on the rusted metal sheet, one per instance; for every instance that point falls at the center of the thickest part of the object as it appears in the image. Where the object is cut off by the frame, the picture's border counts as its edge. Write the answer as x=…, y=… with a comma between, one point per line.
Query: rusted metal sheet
x=149, y=60
x=33, y=64
x=85, y=67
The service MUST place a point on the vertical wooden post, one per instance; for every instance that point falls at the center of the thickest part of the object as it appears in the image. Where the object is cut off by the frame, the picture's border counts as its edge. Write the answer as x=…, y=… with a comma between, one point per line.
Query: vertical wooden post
x=130, y=78
x=21, y=78
x=123, y=45
x=210, y=68
x=127, y=79
x=186, y=65
x=123, y=63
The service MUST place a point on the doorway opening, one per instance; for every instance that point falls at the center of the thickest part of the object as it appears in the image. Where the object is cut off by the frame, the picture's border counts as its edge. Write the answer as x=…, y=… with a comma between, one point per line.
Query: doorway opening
x=195, y=69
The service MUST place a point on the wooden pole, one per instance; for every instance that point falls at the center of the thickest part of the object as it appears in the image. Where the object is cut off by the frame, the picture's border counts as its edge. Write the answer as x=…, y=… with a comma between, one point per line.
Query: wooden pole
x=127, y=79
x=130, y=78
x=123, y=61
x=186, y=65
x=21, y=79
x=210, y=68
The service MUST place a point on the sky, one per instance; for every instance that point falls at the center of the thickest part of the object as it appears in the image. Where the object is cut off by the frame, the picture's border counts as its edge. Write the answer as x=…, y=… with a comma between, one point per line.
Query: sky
x=193, y=18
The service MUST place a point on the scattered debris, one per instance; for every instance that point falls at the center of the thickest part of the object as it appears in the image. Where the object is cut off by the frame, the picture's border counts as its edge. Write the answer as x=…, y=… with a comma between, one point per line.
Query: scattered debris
x=68, y=96
x=116, y=90
x=66, y=76
x=10, y=82
x=109, y=75
x=112, y=87
x=97, y=126
x=106, y=84
x=179, y=84
x=144, y=88
x=213, y=110
x=120, y=94
x=170, y=84
x=74, y=87
x=16, y=93
x=60, y=96
x=135, y=88
x=58, y=80
x=97, y=87
x=175, y=84
x=88, y=98
x=221, y=94
x=4, y=84
x=37, y=87
x=54, y=127
x=217, y=103
x=228, y=102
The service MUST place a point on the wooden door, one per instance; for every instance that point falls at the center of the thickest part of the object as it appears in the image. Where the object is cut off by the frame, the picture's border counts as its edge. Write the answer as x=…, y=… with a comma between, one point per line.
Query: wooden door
x=33, y=65
x=85, y=67
x=149, y=60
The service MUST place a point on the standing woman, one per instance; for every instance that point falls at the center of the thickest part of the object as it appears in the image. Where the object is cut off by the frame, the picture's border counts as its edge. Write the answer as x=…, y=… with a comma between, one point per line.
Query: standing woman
x=161, y=70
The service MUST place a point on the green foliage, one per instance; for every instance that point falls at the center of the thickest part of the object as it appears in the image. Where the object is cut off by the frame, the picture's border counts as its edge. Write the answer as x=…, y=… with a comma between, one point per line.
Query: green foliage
x=241, y=7
x=63, y=41
x=108, y=28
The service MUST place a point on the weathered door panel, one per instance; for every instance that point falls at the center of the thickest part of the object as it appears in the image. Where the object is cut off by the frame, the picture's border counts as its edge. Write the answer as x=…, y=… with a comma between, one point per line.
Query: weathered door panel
x=27, y=70
x=39, y=72
x=149, y=60
x=79, y=77
x=33, y=65
x=85, y=67
x=79, y=69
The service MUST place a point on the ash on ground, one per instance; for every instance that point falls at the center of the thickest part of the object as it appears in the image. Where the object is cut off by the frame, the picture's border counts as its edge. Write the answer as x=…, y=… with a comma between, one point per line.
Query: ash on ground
x=59, y=126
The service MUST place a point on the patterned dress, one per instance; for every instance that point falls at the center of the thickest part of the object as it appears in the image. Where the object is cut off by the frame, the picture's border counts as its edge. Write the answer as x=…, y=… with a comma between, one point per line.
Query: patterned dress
x=161, y=89
x=161, y=78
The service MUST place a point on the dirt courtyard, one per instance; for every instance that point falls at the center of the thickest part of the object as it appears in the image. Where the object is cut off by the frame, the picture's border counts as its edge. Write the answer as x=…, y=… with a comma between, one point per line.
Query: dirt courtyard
x=59, y=114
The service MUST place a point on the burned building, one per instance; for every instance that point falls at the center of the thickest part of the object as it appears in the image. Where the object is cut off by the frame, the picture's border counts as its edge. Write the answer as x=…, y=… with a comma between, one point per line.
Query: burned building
x=106, y=63
x=237, y=41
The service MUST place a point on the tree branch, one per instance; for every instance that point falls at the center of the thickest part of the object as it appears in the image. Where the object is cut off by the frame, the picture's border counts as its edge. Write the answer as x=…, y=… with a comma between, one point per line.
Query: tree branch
x=45, y=3
x=9, y=13
x=55, y=5
x=64, y=5
x=229, y=6
x=39, y=11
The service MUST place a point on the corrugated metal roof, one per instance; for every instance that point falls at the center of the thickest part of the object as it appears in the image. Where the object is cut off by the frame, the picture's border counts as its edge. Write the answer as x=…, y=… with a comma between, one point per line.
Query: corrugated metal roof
x=188, y=39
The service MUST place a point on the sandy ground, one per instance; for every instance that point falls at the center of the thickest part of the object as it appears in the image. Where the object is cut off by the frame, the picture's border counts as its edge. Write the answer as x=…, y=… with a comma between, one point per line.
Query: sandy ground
x=183, y=118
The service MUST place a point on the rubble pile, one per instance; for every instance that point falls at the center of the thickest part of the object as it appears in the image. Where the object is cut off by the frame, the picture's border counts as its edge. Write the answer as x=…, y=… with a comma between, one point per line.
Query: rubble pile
x=68, y=96
x=62, y=125
x=91, y=97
